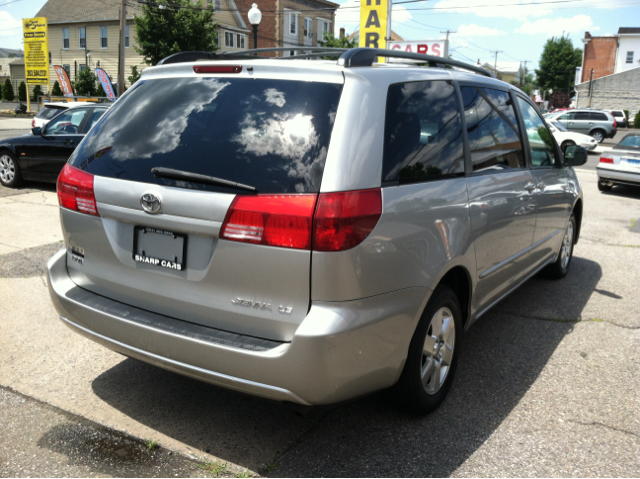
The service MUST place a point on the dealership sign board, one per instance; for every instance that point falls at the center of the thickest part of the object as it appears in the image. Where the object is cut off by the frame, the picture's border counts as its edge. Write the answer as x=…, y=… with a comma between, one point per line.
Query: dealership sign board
x=436, y=48
x=36, y=50
x=373, y=23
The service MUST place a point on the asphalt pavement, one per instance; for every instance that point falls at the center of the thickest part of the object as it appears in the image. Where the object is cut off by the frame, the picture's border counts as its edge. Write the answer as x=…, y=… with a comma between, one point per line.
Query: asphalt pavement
x=548, y=382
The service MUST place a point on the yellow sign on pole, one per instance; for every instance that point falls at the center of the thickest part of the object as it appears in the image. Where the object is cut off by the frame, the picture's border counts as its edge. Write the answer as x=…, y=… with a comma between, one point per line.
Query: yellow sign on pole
x=36, y=50
x=373, y=23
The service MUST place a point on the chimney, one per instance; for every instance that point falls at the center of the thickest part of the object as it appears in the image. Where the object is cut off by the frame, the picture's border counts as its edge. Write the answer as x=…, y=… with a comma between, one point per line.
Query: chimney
x=342, y=33
x=587, y=35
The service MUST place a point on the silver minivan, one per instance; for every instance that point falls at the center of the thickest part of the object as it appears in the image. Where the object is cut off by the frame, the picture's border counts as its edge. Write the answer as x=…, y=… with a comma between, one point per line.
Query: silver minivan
x=310, y=231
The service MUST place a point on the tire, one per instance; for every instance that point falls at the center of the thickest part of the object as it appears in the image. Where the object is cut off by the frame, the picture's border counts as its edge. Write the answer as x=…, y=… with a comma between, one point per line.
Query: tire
x=435, y=346
x=10, y=175
x=560, y=267
x=564, y=145
x=604, y=187
x=598, y=135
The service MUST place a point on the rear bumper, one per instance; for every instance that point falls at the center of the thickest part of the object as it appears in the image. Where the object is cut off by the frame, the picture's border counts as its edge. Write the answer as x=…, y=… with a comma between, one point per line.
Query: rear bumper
x=340, y=351
x=618, y=175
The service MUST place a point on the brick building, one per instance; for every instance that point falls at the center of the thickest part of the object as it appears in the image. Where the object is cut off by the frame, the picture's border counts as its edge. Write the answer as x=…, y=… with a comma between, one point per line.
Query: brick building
x=291, y=23
x=600, y=55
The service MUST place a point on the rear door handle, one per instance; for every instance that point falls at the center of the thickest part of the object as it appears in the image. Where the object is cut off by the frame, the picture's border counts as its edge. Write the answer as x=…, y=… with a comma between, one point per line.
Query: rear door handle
x=69, y=142
x=530, y=187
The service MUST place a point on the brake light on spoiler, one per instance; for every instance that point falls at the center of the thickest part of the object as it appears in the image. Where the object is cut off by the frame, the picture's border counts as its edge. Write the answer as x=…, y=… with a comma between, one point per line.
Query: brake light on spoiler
x=217, y=68
x=325, y=222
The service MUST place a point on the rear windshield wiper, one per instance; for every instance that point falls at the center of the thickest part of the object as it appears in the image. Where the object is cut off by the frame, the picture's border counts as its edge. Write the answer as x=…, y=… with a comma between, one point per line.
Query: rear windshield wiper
x=170, y=173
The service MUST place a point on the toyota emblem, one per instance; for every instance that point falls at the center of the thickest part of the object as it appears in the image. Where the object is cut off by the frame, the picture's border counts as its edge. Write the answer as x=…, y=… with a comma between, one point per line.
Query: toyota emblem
x=151, y=203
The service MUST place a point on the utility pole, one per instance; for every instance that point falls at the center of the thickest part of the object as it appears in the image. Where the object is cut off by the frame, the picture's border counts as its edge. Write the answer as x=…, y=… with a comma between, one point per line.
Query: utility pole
x=123, y=21
x=446, y=52
x=495, y=65
x=590, y=84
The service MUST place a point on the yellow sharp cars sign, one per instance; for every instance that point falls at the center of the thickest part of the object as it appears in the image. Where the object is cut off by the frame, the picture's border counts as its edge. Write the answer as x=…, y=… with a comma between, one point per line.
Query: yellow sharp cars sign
x=36, y=50
x=373, y=23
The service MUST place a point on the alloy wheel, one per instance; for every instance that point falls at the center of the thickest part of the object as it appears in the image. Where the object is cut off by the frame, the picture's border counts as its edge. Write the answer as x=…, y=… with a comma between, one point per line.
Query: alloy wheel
x=597, y=135
x=7, y=169
x=437, y=352
x=565, y=253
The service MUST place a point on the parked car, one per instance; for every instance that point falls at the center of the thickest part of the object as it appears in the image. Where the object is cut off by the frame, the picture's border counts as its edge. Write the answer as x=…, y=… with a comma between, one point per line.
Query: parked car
x=49, y=110
x=567, y=138
x=309, y=231
x=620, y=116
x=40, y=155
x=595, y=123
x=621, y=164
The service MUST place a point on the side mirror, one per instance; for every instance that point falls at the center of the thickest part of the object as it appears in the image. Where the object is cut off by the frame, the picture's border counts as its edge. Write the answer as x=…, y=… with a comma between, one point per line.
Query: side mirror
x=576, y=155
x=36, y=130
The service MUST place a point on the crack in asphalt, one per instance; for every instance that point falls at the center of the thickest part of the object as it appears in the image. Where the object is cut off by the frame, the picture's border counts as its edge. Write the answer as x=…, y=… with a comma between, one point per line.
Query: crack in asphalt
x=575, y=321
x=606, y=426
x=609, y=244
x=11, y=200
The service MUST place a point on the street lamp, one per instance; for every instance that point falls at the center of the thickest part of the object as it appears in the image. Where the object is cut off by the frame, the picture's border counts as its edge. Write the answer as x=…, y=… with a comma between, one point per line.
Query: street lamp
x=255, y=15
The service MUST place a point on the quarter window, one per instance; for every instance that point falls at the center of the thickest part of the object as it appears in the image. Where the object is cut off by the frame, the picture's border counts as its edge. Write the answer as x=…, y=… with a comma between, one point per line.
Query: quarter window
x=541, y=144
x=492, y=129
x=423, y=137
x=65, y=38
x=104, y=42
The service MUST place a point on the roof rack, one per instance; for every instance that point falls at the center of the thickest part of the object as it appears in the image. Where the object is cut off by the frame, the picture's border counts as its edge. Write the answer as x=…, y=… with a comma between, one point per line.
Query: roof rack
x=349, y=57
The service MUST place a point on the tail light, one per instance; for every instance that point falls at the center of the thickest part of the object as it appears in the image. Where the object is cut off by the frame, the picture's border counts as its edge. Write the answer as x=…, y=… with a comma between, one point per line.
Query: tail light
x=217, y=68
x=33, y=123
x=615, y=124
x=606, y=159
x=75, y=191
x=341, y=220
x=344, y=220
x=273, y=220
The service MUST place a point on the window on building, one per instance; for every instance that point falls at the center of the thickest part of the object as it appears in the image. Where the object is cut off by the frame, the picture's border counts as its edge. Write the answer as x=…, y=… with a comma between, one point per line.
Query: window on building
x=126, y=36
x=423, y=132
x=308, y=28
x=240, y=41
x=629, y=57
x=492, y=129
x=216, y=4
x=323, y=27
x=228, y=39
x=67, y=68
x=293, y=23
x=82, y=67
x=82, y=35
x=104, y=42
x=65, y=38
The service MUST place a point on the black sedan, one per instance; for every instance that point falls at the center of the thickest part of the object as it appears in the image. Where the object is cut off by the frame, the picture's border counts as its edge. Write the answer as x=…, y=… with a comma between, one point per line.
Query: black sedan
x=41, y=155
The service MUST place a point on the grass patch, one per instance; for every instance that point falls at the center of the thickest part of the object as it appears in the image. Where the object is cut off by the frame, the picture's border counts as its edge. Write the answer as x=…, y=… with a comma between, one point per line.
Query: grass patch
x=151, y=444
x=215, y=468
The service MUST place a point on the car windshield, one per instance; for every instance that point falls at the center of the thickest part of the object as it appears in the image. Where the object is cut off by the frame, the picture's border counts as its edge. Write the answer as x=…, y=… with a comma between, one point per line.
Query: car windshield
x=48, y=112
x=268, y=133
x=558, y=126
x=630, y=140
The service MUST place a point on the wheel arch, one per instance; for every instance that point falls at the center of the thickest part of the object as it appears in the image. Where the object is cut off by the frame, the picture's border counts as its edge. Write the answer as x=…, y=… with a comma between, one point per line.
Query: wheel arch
x=459, y=280
x=577, y=211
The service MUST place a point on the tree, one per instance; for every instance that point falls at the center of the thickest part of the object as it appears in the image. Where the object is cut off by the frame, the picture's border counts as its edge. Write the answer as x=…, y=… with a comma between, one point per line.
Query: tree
x=86, y=83
x=636, y=120
x=56, y=90
x=7, y=91
x=37, y=91
x=331, y=41
x=527, y=84
x=559, y=99
x=177, y=27
x=135, y=75
x=22, y=92
x=558, y=64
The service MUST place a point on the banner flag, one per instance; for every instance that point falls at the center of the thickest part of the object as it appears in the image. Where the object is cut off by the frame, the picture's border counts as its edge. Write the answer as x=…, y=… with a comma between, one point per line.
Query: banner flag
x=106, y=84
x=63, y=79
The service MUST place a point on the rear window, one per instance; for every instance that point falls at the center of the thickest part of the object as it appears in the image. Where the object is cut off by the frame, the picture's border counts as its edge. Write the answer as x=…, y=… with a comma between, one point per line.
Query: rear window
x=48, y=112
x=598, y=116
x=617, y=114
x=269, y=134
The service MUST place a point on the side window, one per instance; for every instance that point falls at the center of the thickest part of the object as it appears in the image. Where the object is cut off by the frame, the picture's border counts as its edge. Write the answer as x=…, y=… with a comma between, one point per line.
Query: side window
x=66, y=123
x=423, y=137
x=568, y=116
x=595, y=116
x=540, y=141
x=95, y=116
x=582, y=115
x=492, y=129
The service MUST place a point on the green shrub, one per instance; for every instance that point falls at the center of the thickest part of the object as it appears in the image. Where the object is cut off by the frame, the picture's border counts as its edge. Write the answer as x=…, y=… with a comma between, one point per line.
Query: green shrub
x=37, y=91
x=636, y=121
x=7, y=91
x=22, y=92
x=56, y=90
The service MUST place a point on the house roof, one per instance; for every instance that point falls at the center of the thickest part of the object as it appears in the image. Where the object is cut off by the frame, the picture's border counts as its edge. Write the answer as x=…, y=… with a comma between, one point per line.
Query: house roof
x=627, y=30
x=71, y=11
x=394, y=36
x=504, y=66
x=19, y=61
x=5, y=52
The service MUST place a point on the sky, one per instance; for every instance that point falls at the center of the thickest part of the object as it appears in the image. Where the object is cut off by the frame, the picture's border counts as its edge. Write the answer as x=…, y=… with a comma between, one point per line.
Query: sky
x=517, y=28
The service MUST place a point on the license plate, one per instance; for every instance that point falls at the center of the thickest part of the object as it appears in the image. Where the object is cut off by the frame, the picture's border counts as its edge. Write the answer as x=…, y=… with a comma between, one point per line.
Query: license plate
x=161, y=248
x=631, y=162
